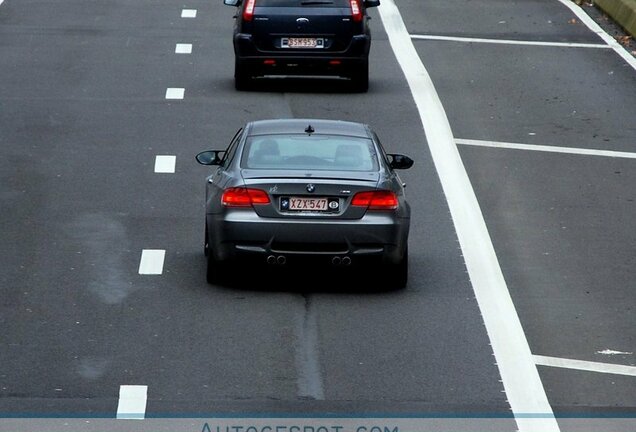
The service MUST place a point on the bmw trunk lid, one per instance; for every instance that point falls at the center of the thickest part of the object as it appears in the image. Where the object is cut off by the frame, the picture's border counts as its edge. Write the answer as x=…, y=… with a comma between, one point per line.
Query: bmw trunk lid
x=326, y=194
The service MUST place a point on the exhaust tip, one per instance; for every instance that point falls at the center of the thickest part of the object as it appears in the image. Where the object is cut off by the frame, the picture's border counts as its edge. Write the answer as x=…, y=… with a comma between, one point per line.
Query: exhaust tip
x=346, y=261
x=281, y=260
x=271, y=259
x=336, y=260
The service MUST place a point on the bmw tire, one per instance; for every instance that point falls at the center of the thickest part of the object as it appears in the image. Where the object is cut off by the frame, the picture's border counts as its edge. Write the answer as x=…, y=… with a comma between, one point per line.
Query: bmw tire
x=396, y=275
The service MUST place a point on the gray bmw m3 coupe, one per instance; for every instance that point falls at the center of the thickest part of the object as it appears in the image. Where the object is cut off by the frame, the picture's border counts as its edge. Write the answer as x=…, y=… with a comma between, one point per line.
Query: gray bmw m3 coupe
x=324, y=191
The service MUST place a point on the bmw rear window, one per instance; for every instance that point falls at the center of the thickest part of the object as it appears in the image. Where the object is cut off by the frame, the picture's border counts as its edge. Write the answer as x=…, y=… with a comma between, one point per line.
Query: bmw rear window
x=303, y=3
x=310, y=152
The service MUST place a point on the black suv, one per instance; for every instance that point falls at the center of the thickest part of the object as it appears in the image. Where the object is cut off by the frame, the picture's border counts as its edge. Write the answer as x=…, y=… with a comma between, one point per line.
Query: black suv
x=302, y=37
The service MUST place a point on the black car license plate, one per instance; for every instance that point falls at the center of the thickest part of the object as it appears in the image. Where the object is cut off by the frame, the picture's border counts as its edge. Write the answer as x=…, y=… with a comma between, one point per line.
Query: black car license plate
x=302, y=42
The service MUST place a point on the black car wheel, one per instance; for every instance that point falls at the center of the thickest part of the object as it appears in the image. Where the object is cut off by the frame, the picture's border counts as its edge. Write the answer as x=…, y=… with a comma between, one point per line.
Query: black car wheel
x=214, y=273
x=360, y=78
x=241, y=77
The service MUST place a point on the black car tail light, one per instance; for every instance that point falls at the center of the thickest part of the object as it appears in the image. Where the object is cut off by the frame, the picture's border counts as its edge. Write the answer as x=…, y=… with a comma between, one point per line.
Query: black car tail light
x=356, y=11
x=248, y=11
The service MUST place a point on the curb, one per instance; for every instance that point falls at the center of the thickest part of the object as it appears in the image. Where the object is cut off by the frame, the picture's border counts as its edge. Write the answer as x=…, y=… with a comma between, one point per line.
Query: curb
x=622, y=11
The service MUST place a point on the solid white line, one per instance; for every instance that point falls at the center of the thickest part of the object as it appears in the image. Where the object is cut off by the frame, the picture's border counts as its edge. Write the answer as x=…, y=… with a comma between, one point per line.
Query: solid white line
x=165, y=164
x=132, y=402
x=183, y=48
x=508, y=41
x=151, y=262
x=1, y=1
x=549, y=149
x=175, y=93
x=519, y=374
x=592, y=25
x=189, y=13
x=585, y=365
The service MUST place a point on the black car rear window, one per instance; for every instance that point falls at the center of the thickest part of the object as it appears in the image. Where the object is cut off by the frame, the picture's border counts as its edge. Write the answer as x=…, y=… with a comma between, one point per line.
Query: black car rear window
x=315, y=152
x=303, y=3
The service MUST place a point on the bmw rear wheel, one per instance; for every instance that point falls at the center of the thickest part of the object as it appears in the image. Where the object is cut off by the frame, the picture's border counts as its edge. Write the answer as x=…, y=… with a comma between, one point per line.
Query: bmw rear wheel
x=396, y=275
x=206, y=245
x=402, y=271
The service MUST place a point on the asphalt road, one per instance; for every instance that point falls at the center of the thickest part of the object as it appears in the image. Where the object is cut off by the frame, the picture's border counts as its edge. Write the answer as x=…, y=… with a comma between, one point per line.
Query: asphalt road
x=83, y=115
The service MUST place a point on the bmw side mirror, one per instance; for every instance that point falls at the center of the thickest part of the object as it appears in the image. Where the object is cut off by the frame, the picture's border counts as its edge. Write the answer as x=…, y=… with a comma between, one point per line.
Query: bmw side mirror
x=210, y=157
x=400, y=161
x=371, y=3
x=232, y=2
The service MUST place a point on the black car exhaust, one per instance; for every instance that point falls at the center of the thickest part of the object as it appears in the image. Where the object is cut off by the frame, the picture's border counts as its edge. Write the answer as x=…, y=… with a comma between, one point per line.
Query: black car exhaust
x=280, y=260
x=337, y=261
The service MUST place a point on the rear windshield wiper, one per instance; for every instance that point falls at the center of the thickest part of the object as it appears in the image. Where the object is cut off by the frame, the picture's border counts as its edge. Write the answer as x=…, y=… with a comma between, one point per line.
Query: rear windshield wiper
x=315, y=2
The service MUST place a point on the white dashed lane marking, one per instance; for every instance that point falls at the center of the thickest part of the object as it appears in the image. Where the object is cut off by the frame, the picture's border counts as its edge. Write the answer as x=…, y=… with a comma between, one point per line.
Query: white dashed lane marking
x=549, y=149
x=175, y=93
x=183, y=48
x=607, y=368
x=165, y=164
x=189, y=13
x=132, y=402
x=151, y=262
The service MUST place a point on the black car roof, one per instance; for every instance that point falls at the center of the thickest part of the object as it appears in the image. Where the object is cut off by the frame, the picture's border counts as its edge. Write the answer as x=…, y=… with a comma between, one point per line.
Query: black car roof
x=319, y=126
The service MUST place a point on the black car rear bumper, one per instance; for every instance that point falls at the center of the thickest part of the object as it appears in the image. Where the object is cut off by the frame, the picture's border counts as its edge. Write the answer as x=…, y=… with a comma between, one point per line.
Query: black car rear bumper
x=258, y=62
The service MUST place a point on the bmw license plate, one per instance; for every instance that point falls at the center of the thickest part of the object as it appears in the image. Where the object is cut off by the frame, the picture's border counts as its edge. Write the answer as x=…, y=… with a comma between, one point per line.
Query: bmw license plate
x=302, y=43
x=308, y=204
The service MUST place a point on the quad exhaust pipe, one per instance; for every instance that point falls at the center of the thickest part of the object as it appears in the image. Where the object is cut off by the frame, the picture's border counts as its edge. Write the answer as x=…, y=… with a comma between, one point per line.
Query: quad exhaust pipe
x=345, y=261
x=280, y=260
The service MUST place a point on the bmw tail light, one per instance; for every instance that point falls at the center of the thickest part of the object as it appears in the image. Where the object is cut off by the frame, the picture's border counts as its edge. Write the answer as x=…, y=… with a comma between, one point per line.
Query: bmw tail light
x=244, y=197
x=376, y=200
x=356, y=11
x=248, y=12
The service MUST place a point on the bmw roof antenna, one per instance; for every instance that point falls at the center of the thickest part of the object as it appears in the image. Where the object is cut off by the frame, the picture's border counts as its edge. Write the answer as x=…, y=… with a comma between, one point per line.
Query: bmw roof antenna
x=310, y=130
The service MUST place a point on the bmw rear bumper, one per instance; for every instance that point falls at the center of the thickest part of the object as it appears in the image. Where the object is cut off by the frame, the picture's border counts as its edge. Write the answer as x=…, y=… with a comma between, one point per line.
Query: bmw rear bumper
x=241, y=233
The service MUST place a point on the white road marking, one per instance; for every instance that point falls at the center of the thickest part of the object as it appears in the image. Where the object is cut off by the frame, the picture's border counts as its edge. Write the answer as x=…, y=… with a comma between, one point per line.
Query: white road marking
x=509, y=42
x=592, y=25
x=132, y=402
x=519, y=374
x=544, y=148
x=165, y=164
x=613, y=352
x=151, y=262
x=189, y=13
x=585, y=365
x=175, y=93
x=182, y=48
x=1, y=1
